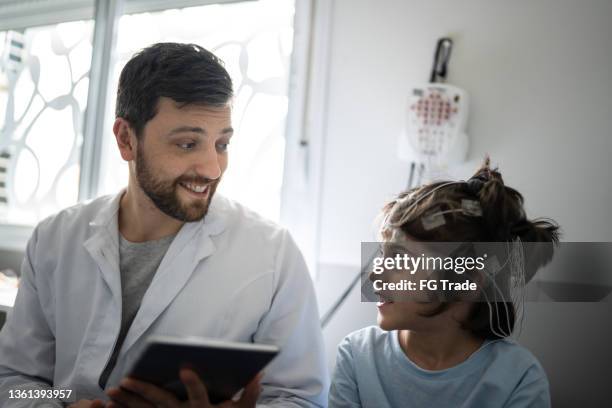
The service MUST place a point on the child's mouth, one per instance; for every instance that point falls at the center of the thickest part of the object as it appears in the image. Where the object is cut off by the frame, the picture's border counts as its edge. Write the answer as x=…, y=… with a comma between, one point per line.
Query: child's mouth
x=383, y=299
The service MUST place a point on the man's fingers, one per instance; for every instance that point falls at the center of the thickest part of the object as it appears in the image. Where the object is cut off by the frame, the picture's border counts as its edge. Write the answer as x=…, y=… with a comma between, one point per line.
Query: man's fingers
x=196, y=390
x=156, y=396
x=114, y=404
x=97, y=404
x=125, y=398
x=85, y=403
x=251, y=392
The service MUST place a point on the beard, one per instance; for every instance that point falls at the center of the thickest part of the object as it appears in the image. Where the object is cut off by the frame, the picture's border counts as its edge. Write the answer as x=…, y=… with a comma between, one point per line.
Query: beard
x=164, y=193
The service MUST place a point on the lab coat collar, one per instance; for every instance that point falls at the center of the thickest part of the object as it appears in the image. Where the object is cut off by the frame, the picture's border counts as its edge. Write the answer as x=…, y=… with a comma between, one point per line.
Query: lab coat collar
x=109, y=211
x=192, y=244
x=103, y=244
x=107, y=227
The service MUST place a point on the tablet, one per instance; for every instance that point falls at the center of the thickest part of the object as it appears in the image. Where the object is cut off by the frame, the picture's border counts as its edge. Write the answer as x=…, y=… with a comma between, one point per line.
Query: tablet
x=224, y=367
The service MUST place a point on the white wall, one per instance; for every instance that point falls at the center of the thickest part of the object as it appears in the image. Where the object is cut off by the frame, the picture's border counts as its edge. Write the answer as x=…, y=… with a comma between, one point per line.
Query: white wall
x=538, y=73
x=541, y=98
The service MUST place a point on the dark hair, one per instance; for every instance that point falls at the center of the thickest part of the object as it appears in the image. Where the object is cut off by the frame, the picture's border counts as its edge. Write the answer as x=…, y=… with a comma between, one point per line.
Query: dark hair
x=503, y=220
x=186, y=73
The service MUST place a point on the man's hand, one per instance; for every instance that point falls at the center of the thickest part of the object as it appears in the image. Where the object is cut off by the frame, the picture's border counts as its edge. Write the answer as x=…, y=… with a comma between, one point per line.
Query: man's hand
x=87, y=404
x=137, y=394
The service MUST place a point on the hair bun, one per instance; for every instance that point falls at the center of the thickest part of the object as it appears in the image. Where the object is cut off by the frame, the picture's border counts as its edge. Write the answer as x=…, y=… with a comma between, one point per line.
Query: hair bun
x=475, y=184
x=538, y=230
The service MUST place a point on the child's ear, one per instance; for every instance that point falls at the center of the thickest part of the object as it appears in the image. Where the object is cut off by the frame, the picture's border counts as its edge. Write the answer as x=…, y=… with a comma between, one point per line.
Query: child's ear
x=126, y=139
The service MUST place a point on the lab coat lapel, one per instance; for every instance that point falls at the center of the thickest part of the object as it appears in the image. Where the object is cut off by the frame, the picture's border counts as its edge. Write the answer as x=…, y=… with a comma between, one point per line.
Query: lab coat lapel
x=192, y=244
x=103, y=245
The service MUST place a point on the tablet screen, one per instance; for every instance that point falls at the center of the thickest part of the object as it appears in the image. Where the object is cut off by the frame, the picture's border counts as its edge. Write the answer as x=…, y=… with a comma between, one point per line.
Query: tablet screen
x=224, y=367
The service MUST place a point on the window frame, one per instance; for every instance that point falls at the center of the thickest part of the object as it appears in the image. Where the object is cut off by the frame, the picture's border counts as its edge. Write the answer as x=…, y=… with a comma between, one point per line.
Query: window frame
x=305, y=121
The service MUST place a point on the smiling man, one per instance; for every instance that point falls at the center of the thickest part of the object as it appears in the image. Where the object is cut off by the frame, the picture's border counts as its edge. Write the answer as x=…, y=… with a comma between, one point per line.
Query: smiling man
x=165, y=256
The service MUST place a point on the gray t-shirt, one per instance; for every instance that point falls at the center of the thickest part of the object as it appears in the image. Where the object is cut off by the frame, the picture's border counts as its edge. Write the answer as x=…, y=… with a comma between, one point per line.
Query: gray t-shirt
x=138, y=262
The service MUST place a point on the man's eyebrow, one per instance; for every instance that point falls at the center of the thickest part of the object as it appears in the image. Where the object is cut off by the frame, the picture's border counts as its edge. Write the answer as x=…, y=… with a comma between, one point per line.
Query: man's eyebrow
x=187, y=129
x=196, y=129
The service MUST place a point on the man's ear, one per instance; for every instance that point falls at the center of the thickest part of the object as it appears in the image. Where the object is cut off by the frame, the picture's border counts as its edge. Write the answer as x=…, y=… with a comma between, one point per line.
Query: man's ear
x=126, y=139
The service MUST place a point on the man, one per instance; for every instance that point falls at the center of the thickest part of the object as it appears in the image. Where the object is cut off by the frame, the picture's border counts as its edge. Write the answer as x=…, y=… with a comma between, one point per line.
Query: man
x=165, y=256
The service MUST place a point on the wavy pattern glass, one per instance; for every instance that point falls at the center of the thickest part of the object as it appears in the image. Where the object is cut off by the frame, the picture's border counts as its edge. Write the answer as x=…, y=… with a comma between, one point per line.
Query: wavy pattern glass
x=255, y=41
x=44, y=96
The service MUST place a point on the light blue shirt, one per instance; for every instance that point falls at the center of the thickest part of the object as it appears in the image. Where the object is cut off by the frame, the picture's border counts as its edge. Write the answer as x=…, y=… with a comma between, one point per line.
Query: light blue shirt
x=373, y=371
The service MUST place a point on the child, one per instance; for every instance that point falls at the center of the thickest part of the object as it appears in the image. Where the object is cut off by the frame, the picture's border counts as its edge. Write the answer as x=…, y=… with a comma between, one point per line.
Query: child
x=440, y=353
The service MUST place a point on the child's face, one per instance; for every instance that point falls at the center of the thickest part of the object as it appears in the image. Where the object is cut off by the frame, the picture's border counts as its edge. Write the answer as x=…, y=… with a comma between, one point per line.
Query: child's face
x=404, y=309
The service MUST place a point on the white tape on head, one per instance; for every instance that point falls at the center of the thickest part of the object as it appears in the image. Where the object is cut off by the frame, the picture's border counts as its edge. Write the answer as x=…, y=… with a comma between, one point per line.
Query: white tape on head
x=432, y=221
x=471, y=207
x=399, y=237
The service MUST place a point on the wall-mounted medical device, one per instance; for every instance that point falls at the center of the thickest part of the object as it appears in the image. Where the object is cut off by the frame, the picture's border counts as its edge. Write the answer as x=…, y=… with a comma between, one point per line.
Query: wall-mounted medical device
x=436, y=119
x=434, y=136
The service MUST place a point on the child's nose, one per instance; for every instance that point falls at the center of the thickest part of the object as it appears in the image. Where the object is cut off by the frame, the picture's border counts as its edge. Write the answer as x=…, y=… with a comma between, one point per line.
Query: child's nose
x=382, y=276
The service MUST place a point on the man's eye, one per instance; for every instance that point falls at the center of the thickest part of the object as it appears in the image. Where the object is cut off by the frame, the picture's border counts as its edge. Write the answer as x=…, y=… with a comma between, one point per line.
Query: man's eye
x=222, y=147
x=186, y=146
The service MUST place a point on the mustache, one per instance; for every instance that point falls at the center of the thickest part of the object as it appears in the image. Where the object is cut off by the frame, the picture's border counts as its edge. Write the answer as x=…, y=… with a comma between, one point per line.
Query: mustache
x=197, y=180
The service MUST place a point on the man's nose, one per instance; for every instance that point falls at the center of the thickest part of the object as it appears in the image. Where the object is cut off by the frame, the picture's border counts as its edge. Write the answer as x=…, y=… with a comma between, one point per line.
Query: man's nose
x=208, y=165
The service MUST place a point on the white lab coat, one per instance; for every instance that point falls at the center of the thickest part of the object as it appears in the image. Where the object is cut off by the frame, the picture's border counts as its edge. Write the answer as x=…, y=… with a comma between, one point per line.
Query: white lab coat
x=232, y=276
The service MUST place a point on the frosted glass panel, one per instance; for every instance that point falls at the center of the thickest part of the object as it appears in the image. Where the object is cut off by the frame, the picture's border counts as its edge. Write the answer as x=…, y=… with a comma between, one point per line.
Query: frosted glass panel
x=255, y=41
x=43, y=95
